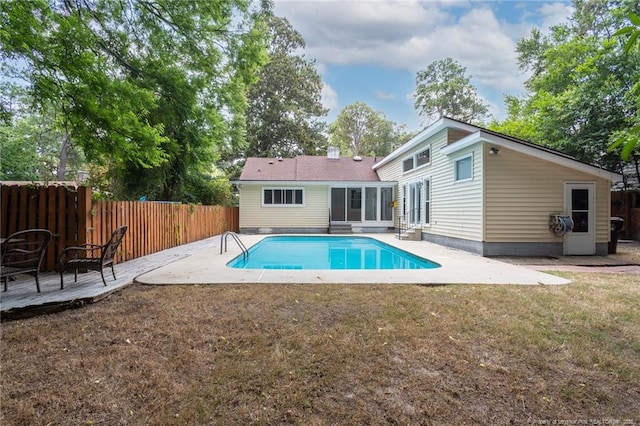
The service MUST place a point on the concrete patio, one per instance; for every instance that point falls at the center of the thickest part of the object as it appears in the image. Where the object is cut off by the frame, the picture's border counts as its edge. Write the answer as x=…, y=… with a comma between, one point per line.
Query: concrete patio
x=457, y=267
x=201, y=263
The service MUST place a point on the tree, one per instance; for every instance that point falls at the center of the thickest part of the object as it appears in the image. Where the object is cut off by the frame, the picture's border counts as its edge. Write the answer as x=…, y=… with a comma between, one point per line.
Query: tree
x=629, y=139
x=285, y=104
x=150, y=89
x=520, y=123
x=386, y=136
x=19, y=157
x=30, y=142
x=443, y=89
x=360, y=130
x=579, y=85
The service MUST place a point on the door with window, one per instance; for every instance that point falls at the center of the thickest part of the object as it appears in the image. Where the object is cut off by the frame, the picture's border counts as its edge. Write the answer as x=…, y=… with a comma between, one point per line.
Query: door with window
x=579, y=201
x=346, y=204
x=338, y=204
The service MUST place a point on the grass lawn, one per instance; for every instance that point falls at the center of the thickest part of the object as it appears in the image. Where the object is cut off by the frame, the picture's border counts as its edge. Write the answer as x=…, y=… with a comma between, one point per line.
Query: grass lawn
x=332, y=354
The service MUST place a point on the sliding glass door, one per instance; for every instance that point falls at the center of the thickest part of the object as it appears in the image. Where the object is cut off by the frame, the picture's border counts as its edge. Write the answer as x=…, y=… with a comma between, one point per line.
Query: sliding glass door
x=338, y=204
x=361, y=204
x=371, y=204
x=386, y=204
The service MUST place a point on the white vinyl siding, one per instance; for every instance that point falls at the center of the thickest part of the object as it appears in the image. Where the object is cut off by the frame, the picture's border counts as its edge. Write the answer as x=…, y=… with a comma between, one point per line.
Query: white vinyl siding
x=392, y=171
x=456, y=208
x=521, y=193
x=254, y=215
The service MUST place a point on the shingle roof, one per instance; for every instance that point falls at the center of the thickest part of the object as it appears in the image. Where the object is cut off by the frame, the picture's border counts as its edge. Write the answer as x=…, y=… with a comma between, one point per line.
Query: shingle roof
x=309, y=168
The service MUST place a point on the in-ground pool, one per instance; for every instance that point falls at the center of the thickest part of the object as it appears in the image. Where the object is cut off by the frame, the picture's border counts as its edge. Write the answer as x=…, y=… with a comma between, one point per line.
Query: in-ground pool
x=326, y=252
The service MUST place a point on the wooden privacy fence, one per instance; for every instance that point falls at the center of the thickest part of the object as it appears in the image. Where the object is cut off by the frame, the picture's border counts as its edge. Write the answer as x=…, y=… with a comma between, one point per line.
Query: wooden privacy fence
x=74, y=219
x=627, y=206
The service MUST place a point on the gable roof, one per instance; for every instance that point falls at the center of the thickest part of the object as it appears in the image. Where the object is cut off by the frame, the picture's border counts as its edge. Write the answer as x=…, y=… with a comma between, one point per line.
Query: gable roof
x=309, y=168
x=479, y=134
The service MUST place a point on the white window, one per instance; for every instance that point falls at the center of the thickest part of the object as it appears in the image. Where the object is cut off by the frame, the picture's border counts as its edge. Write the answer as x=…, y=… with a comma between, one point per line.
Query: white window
x=423, y=157
x=463, y=168
x=386, y=203
x=282, y=196
x=371, y=204
x=427, y=201
x=418, y=159
x=407, y=164
x=405, y=191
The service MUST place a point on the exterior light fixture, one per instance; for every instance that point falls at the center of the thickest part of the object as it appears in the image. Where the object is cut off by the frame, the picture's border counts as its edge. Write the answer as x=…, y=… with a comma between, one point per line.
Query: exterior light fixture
x=493, y=151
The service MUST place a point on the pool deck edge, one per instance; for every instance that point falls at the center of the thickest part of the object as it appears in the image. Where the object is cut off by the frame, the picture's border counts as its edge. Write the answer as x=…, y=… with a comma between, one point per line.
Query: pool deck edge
x=457, y=267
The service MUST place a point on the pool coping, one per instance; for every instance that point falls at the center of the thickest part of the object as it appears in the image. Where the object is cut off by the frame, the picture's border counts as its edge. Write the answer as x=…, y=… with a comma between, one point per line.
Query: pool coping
x=457, y=267
x=294, y=247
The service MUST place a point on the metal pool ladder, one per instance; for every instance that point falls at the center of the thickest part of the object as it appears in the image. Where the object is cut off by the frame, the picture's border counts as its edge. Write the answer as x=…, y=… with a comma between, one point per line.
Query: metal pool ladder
x=223, y=241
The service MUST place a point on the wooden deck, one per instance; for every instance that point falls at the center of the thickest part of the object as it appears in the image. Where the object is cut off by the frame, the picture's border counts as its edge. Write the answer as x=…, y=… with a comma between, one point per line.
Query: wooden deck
x=22, y=300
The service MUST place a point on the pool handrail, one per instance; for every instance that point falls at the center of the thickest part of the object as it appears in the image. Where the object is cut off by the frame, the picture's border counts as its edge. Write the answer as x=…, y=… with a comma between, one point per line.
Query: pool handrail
x=223, y=241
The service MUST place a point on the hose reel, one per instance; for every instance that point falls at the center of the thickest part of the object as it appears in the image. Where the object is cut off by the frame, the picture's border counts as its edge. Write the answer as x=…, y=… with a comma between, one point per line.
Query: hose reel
x=560, y=224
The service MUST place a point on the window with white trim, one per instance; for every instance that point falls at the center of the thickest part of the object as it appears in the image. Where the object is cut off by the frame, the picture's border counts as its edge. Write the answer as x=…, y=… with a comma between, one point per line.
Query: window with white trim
x=407, y=164
x=386, y=203
x=282, y=196
x=418, y=159
x=427, y=201
x=423, y=157
x=463, y=168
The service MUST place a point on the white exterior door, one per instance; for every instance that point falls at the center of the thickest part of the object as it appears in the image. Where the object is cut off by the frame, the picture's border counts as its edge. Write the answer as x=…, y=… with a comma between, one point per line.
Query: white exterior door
x=579, y=202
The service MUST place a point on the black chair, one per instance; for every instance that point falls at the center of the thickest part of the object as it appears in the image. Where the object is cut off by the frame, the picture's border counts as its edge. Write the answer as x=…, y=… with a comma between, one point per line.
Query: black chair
x=22, y=253
x=93, y=257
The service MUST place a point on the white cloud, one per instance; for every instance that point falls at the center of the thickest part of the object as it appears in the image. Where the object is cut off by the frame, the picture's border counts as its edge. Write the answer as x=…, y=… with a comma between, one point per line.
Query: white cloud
x=407, y=35
x=385, y=96
x=329, y=97
x=358, y=24
x=478, y=43
x=410, y=34
x=555, y=13
x=321, y=67
x=494, y=111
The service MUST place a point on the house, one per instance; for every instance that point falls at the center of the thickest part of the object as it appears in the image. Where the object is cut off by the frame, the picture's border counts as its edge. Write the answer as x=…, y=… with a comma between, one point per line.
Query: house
x=314, y=194
x=454, y=184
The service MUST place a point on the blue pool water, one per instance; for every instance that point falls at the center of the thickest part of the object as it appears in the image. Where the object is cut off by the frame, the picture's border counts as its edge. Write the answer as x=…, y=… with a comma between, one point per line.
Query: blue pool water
x=320, y=252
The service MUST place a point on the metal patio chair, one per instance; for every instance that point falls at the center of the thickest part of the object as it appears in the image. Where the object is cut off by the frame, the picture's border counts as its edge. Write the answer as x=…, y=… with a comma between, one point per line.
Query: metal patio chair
x=22, y=253
x=92, y=257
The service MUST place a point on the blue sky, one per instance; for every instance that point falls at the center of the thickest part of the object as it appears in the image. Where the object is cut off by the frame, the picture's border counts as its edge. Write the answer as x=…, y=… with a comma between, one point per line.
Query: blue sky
x=370, y=51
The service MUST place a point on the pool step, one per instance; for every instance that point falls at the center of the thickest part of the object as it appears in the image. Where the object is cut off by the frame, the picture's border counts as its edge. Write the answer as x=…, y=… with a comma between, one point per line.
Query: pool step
x=340, y=228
